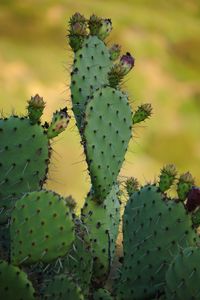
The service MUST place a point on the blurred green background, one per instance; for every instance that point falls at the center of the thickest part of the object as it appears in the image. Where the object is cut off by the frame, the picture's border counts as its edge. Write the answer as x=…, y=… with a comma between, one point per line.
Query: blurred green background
x=164, y=37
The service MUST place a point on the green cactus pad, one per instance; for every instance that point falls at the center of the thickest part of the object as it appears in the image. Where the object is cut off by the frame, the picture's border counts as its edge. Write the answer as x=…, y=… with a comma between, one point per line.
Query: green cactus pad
x=24, y=158
x=183, y=276
x=102, y=221
x=107, y=133
x=102, y=294
x=154, y=230
x=62, y=287
x=41, y=228
x=79, y=260
x=14, y=283
x=4, y=241
x=91, y=66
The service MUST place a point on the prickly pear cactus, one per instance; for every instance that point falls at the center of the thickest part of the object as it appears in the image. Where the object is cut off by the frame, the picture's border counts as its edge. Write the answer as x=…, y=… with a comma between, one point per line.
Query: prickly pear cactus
x=102, y=221
x=62, y=287
x=183, y=276
x=108, y=124
x=102, y=294
x=41, y=228
x=154, y=229
x=25, y=154
x=14, y=283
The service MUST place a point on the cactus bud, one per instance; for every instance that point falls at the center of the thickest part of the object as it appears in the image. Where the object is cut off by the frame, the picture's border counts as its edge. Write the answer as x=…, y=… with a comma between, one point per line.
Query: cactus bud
x=115, y=52
x=120, y=69
x=99, y=26
x=126, y=63
x=167, y=177
x=59, y=123
x=185, y=183
x=142, y=113
x=77, y=31
x=77, y=18
x=132, y=185
x=35, y=108
x=193, y=199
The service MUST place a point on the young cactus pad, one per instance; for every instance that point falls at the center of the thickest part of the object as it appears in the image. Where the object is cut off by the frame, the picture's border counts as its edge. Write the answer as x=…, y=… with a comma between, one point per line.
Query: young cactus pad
x=154, y=229
x=107, y=131
x=183, y=276
x=14, y=283
x=41, y=228
x=24, y=159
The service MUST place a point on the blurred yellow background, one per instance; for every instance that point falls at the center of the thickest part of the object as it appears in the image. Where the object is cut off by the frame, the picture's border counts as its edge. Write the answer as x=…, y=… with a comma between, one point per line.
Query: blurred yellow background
x=163, y=36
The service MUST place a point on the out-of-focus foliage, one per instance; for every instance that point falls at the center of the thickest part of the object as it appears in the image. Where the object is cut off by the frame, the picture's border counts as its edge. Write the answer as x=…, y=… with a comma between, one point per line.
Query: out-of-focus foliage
x=164, y=37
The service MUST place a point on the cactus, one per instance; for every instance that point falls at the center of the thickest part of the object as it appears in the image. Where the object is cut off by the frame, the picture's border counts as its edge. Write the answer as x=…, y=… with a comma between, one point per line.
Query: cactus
x=154, y=228
x=41, y=228
x=102, y=294
x=106, y=134
x=25, y=154
x=102, y=221
x=14, y=283
x=183, y=276
x=62, y=287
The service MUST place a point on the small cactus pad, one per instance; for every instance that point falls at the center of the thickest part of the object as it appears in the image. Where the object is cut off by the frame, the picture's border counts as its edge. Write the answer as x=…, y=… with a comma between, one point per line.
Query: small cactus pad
x=167, y=177
x=91, y=65
x=183, y=276
x=154, y=230
x=142, y=113
x=79, y=260
x=24, y=158
x=41, y=228
x=59, y=123
x=62, y=287
x=102, y=294
x=102, y=221
x=108, y=124
x=184, y=185
x=14, y=283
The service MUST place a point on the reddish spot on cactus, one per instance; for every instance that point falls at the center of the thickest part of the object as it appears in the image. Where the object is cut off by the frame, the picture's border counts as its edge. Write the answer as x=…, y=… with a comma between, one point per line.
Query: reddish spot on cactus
x=193, y=199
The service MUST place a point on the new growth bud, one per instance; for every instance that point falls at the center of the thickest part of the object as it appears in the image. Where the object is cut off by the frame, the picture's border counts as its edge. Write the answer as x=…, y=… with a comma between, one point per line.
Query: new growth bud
x=59, y=123
x=99, y=26
x=77, y=31
x=167, y=177
x=115, y=52
x=121, y=69
x=132, y=185
x=185, y=183
x=35, y=108
x=142, y=113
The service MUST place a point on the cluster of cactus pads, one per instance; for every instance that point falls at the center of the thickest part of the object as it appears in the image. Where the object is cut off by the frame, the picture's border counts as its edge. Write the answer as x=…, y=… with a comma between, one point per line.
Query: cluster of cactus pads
x=47, y=251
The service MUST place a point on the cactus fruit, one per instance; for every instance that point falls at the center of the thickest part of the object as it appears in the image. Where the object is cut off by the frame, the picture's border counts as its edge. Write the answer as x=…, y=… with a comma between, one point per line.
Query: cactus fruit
x=14, y=283
x=115, y=52
x=102, y=221
x=77, y=31
x=102, y=294
x=184, y=185
x=35, y=108
x=167, y=177
x=193, y=199
x=108, y=124
x=62, y=287
x=183, y=276
x=41, y=228
x=154, y=228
